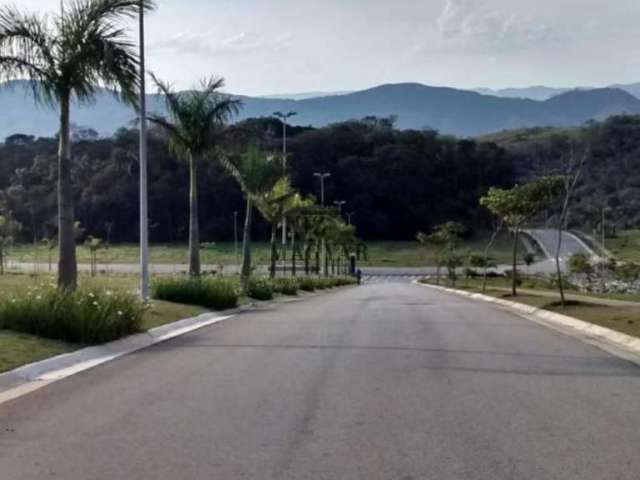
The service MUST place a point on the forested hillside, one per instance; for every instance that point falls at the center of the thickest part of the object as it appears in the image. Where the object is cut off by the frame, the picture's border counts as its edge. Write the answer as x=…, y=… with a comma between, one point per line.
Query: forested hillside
x=395, y=182
x=611, y=176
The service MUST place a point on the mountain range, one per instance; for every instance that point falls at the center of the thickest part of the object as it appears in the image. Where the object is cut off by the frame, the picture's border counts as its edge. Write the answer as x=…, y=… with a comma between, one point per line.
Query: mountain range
x=540, y=92
x=448, y=110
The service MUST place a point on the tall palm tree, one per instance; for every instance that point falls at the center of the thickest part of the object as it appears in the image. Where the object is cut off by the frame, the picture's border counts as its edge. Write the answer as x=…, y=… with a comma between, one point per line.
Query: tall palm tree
x=64, y=58
x=257, y=173
x=196, y=120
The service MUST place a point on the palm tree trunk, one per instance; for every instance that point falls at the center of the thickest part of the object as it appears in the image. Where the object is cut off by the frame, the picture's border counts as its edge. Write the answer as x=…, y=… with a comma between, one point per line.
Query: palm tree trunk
x=67, y=264
x=245, y=272
x=307, y=254
x=293, y=253
x=274, y=249
x=194, y=226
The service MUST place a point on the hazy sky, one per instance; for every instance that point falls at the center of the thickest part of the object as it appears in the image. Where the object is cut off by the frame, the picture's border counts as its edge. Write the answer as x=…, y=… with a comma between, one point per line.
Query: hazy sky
x=277, y=46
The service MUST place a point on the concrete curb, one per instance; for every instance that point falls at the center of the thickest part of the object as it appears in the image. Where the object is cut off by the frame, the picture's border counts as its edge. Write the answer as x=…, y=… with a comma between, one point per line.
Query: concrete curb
x=28, y=378
x=618, y=343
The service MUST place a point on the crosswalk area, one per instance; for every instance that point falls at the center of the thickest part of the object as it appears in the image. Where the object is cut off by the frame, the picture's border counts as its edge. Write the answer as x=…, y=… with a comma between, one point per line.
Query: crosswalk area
x=369, y=279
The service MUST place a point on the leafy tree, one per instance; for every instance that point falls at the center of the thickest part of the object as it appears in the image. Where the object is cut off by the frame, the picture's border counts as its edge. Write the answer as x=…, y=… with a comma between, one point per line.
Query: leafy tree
x=518, y=205
x=446, y=237
x=94, y=244
x=64, y=59
x=196, y=119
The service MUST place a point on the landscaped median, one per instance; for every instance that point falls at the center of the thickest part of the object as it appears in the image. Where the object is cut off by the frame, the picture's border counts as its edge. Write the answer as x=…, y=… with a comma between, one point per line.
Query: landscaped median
x=615, y=321
x=37, y=321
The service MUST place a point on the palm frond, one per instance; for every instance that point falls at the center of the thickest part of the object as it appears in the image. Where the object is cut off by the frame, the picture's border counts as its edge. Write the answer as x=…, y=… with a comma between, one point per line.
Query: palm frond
x=27, y=51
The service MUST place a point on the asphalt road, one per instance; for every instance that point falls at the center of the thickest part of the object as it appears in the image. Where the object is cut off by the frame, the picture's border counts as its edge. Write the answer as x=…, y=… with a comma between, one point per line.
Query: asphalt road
x=386, y=381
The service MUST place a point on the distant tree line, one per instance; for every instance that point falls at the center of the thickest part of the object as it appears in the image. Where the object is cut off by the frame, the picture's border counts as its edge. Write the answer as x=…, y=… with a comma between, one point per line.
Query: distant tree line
x=394, y=182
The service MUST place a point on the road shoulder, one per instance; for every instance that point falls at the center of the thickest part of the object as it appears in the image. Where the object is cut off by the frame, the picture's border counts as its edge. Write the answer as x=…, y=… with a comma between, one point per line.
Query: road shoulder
x=617, y=343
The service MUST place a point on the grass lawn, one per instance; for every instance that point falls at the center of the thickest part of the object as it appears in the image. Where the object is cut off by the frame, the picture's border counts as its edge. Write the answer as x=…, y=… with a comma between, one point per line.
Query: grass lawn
x=380, y=254
x=626, y=246
x=19, y=349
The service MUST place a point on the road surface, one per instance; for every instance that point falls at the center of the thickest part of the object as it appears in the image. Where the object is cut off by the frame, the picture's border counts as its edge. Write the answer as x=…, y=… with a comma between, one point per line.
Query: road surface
x=548, y=241
x=384, y=381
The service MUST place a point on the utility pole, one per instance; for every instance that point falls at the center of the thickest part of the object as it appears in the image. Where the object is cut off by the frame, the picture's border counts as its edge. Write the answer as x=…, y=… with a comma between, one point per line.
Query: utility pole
x=144, y=218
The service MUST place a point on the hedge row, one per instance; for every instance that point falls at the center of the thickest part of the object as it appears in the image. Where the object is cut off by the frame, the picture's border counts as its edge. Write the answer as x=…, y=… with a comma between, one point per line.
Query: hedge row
x=219, y=292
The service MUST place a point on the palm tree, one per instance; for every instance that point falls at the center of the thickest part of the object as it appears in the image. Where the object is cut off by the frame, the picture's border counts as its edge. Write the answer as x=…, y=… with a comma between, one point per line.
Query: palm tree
x=196, y=119
x=274, y=206
x=70, y=57
x=296, y=218
x=257, y=173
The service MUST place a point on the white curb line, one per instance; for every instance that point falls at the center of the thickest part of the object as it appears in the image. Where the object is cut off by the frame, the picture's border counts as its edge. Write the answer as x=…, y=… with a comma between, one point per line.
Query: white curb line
x=617, y=343
x=28, y=378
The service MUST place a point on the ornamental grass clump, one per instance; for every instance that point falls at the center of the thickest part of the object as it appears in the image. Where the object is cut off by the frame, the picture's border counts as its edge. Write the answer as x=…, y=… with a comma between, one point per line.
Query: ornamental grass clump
x=88, y=316
x=307, y=284
x=260, y=288
x=213, y=292
x=286, y=285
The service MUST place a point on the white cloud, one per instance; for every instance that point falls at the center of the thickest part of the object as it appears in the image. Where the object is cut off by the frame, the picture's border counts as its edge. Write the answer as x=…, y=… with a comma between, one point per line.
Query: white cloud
x=463, y=25
x=206, y=44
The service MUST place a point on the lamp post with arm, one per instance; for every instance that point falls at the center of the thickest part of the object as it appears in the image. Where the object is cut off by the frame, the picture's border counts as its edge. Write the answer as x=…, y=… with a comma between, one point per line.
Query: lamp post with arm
x=283, y=118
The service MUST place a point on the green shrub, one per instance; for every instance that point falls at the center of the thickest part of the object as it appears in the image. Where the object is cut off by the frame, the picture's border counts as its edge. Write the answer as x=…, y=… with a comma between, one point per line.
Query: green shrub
x=286, y=285
x=214, y=292
x=343, y=281
x=307, y=284
x=260, y=288
x=87, y=316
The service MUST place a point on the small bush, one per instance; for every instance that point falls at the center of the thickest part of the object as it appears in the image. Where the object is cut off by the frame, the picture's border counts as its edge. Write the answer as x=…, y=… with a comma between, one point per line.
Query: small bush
x=286, y=285
x=87, y=316
x=307, y=284
x=260, y=288
x=343, y=281
x=214, y=292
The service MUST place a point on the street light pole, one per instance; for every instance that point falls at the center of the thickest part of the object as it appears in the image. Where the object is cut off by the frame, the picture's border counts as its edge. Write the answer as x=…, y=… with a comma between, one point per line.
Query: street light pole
x=340, y=204
x=322, y=176
x=283, y=118
x=144, y=219
x=349, y=215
